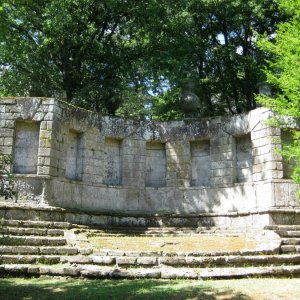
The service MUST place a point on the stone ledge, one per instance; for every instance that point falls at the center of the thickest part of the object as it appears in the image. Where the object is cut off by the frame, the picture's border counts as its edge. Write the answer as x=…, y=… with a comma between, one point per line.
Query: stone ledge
x=164, y=272
x=42, y=207
x=32, y=176
x=242, y=219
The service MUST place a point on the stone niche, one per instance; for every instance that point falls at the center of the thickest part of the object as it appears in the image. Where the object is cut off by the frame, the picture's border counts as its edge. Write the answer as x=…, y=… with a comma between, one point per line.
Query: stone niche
x=25, y=155
x=244, y=162
x=201, y=163
x=156, y=165
x=74, y=158
x=112, y=161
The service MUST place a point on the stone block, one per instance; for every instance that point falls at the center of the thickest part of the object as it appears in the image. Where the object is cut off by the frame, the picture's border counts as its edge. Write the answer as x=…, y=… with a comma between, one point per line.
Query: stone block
x=135, y=273
x=79, y=259
x=147, y=261
x=16, y=269
x=104, y=260
x=59, y=271
x=6, y=132
x=116, y=253
x=178, y=273
x=96, y=271
x=47, y=170
x=10, y=124
x=172, y=260
x=8, y=141
x=34, y=270
x=126, y=260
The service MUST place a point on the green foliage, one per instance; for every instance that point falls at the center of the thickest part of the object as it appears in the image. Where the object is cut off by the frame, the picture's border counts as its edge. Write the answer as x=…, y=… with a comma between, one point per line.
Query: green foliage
x=7, y=187
x=292, y=152
x=283, y=74
x=213, y=43
x=108, y=55
x=82, y=50
x=167, y=106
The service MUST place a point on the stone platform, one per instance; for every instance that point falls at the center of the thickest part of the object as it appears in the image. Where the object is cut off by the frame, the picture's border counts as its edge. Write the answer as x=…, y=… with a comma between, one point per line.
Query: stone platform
x=241, y=220
x=34, y=248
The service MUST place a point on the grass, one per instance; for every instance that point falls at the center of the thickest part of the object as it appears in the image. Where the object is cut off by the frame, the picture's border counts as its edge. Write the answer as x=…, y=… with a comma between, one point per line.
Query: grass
x=173, y=244
x=46, y=288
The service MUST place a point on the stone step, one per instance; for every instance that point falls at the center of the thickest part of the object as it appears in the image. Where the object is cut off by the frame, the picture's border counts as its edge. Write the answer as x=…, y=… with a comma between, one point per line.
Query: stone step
x=283, y=227
x=34, y=250
x=29, y=259
x=286, y=233
x=105, y=234
x=12, y=240
x=183, y=261
x=193, y=262
x=35, y=224
x=162, y=231
x=152, y=234
x=31, y=231
x=160, y=272
x=62, y=250
x=108, y=252
x=290, y=241
x=290, y=249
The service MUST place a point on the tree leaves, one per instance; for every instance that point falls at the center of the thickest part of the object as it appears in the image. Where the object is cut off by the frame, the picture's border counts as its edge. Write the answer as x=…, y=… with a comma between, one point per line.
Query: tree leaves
x=104, y=54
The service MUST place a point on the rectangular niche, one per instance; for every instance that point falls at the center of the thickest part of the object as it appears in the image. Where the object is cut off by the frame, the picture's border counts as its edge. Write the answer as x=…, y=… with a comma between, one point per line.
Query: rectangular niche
x=155, y=164
x=201, y=165
x=288, y=164
x=244, y=160
x=113, y=161
x=74, y=158
x=26, y=147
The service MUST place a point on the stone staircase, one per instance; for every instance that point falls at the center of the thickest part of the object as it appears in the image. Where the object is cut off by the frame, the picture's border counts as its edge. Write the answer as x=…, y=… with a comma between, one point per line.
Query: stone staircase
x=290, y=237
x=34, y=248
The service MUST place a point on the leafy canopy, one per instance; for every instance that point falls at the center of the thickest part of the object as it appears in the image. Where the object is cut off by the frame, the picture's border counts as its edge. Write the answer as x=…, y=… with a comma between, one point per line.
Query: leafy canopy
x=131, y=57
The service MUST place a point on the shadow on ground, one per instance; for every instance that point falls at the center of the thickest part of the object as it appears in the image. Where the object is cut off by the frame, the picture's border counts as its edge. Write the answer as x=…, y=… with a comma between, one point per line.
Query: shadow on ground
x=61, y=288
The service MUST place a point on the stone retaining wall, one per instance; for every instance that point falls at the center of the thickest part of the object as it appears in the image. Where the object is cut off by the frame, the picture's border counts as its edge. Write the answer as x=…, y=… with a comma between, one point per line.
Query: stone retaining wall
x=72, y=158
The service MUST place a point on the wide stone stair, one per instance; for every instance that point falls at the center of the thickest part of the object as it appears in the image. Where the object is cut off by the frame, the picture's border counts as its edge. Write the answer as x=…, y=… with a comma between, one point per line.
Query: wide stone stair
x=34, y=248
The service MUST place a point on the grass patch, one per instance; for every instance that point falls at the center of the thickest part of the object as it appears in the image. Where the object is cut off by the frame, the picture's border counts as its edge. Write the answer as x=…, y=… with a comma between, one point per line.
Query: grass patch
x=45, y=288
x=173, y=244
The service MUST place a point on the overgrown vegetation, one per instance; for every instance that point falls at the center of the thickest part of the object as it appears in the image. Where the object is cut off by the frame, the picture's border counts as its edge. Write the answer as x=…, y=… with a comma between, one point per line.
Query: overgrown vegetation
x=283, y=75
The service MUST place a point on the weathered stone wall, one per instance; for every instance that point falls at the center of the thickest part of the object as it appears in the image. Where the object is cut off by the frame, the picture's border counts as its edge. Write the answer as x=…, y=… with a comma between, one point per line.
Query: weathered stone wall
x=68, y=157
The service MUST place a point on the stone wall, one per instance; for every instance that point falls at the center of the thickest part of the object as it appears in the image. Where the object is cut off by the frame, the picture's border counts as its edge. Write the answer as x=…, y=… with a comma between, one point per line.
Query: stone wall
x=72, y=158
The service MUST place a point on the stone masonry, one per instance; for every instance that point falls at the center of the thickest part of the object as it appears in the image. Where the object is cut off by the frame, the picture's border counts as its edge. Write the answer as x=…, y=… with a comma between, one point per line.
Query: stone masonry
x=71, y=158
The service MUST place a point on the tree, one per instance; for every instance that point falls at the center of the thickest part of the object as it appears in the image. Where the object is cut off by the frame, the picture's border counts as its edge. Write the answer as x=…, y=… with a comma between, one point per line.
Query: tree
x=213, y=43
x=82, y=50
x=283, y=74
x=109, y=55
